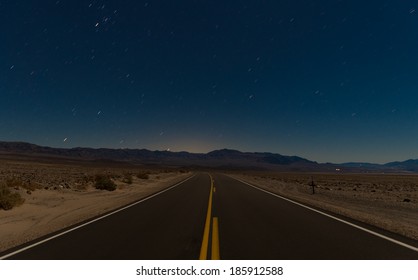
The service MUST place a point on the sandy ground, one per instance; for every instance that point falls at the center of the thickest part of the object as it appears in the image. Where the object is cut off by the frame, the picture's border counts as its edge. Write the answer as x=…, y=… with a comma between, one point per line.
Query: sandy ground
x=58, y=195
x=386, y=201
x=64, y=196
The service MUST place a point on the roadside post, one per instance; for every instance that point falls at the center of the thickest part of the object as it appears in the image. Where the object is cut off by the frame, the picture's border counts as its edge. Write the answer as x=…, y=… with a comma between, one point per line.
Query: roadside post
x=312, y=184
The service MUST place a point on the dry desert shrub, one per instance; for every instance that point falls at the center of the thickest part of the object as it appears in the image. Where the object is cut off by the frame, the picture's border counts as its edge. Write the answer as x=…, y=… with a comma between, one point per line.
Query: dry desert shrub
x=9, y=199
x=14, y=182
x=143, y=175
x=103, y=182
x=127, y=178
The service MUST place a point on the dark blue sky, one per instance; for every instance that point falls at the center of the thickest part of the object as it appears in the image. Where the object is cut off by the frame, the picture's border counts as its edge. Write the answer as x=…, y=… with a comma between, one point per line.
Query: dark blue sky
x=326, y=80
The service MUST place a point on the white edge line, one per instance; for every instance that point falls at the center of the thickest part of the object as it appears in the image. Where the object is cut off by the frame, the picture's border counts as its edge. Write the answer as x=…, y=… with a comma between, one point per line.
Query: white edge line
x=92, y=221
x=333, y=217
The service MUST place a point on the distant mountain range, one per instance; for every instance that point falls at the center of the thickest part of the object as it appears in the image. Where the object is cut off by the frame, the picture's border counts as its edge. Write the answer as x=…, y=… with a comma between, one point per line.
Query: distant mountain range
x=410, y=165
x=223, y=159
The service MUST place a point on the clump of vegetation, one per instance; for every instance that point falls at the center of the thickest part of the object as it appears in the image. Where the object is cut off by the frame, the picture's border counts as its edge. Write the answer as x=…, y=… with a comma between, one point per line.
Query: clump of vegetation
x=14, y=182
x=103, y=182
x=127, y=178
x=143, y=175
x=9, y=199
x=17, y=183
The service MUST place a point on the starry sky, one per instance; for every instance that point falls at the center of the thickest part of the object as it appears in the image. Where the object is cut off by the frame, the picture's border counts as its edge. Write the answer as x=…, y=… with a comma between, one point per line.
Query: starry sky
x=328, y=80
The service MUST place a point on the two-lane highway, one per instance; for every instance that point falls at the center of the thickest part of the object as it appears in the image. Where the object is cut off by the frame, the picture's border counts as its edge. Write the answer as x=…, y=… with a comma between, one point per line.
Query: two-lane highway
x=212, y=216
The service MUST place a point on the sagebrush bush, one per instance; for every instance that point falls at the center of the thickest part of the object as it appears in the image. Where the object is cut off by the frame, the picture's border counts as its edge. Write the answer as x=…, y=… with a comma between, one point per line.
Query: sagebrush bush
x=143, y=175
x=14, y=182
x=103, y=182
x=127, y=178
x=9, y=199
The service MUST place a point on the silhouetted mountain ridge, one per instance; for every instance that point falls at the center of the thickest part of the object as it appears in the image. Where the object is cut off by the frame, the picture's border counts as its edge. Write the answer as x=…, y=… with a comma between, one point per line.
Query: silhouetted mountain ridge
x=410, y=165
x=223, y=158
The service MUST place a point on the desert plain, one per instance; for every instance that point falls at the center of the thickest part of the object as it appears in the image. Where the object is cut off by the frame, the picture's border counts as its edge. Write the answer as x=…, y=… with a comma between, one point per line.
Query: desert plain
x=60, y=193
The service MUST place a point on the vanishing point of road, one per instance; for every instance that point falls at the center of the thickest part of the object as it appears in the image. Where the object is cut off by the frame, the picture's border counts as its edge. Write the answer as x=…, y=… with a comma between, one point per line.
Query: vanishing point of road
x=214, y=216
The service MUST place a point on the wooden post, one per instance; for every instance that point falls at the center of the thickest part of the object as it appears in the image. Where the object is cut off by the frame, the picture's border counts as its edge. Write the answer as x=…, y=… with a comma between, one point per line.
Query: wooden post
x=312, y=185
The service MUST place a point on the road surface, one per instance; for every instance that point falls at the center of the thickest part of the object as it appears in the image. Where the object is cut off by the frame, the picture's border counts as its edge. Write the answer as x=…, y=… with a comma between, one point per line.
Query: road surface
x=211, y=216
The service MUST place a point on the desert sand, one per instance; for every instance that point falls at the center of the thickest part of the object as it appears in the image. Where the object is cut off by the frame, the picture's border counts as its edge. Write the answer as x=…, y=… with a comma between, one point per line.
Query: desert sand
x=60, y=195
x=388, y=201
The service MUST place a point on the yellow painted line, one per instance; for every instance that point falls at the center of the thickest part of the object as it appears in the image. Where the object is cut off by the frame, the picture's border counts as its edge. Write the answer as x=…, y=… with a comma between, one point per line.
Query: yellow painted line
x=215, y=239
x=205, y=241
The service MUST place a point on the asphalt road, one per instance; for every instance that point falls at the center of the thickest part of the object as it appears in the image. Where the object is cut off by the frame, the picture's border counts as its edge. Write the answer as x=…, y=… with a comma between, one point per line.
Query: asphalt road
x=215, y=216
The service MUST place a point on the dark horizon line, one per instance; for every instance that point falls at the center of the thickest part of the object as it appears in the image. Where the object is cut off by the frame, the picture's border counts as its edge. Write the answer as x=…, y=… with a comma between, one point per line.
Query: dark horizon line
x=195, y=153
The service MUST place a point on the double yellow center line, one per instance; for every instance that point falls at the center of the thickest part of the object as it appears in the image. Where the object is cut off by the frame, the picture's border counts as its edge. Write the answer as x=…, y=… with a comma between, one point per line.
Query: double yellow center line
x=215, y=231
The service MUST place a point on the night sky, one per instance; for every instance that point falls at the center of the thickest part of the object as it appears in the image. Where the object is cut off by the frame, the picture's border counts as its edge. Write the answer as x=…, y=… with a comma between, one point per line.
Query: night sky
x=331, y=81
